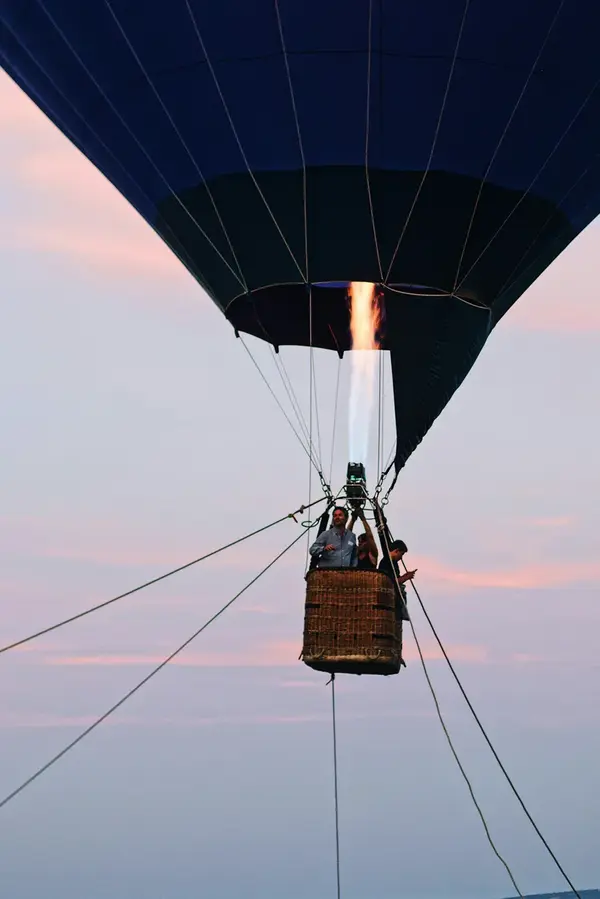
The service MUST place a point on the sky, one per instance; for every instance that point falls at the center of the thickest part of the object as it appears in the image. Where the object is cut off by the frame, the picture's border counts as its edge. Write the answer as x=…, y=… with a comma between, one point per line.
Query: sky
x=136, y=435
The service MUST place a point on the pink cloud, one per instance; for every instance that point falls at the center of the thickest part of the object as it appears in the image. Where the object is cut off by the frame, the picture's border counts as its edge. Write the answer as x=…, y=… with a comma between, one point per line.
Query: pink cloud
x=40, y=720
x=103, y=250
x=243, y=560
x=457, y=653
x=80, y=722
x=564, y=297
x=276, y=654
x=106, y=542
x=89, y=224
x=527, y=658
x=532, y=576
x=17, y=112
x=72, y=211
x=103, y=543
x=259, y=610
x=283, y=653
x=72, y=174
x=559, y=521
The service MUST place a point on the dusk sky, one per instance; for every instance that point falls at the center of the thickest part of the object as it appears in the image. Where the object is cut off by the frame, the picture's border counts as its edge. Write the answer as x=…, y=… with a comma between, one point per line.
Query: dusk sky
x=136, y=435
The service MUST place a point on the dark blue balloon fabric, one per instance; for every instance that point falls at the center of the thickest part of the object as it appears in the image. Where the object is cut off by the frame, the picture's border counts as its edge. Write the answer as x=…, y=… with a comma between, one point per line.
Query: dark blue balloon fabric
x=446, y=149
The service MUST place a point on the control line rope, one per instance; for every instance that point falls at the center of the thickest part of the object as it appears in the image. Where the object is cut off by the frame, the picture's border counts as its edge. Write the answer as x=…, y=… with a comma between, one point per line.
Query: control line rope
x=501, y=859
x=144, y=681
x=490, y=744
x=155, y=580
x=335, y=787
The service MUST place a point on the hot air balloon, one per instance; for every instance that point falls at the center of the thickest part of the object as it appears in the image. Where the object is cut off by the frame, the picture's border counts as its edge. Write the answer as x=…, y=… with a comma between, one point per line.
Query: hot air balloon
x=444, y=150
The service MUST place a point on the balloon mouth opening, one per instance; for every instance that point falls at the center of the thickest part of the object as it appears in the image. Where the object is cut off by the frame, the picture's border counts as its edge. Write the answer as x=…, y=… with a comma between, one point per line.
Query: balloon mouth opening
x=415, y=290
x=342, y=287
x=280, y=313
x=426, y=290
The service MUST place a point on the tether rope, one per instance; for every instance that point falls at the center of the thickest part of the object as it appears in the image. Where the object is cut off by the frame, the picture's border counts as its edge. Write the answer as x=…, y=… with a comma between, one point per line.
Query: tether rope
x=335, y=787
x=155, y=580
x=141, y=683
x=490, y=744
x=309, y=450
x=461, y=768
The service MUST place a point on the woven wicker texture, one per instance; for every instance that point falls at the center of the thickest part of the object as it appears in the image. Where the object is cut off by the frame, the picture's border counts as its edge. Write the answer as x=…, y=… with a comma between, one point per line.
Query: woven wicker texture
x=350, y=622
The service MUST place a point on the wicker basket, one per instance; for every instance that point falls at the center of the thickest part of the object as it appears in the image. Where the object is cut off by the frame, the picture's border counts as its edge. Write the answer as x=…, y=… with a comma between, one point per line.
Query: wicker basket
x=350, y=622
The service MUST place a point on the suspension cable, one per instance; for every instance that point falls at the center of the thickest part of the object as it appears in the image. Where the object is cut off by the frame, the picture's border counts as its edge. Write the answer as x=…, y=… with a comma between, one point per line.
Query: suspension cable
x=380, y=413
x=436, y=135
x=227, y=111
x=386, y=498
x=314, y=380
x=367, y=140
x=311, y=373
x=159, y=172
x=310, y=450
x=490, y=744
x=335, y=409
x=141, y=683
x=384, y=538
x=295, y=404
x=179, y=135
x=155, y=580
x=381, y=481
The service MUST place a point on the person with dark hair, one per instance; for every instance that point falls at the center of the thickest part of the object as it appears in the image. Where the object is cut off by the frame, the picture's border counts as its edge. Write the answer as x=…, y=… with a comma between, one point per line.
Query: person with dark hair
x=336, y=547
x=367, y=548
x=391, y=568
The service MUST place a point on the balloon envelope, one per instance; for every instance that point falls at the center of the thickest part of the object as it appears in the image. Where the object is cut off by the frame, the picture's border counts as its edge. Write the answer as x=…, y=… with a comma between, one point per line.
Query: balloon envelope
x=446, y=149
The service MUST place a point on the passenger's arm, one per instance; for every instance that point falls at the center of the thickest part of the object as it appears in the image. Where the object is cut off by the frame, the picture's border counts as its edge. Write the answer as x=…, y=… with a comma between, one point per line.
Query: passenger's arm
x=319, y=545
x=372, y=546
x=407, y=577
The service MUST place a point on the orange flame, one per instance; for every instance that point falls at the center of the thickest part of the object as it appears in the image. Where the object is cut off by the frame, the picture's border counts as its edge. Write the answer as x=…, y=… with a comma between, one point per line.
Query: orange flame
x=365, y=318
x=365, y=315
